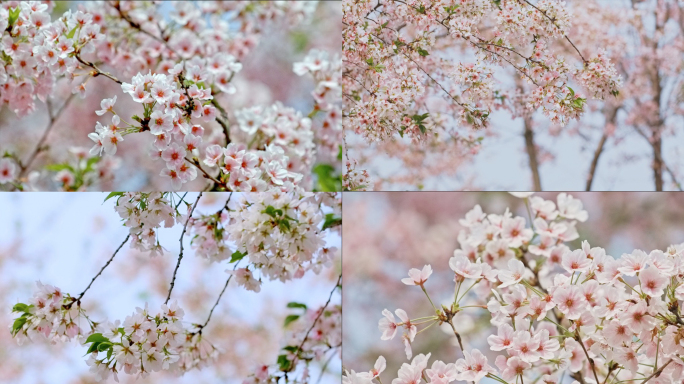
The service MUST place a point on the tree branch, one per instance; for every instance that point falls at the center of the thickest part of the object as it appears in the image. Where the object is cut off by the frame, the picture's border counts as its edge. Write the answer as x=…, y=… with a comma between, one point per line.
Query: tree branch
x=306, y=336
x=219, y=297
x=206, y=175
x=657, y=373
x=223, y=119
x=39, y=147
x=591, y=361
x=180, y=256
x=97, y=70
x=594, y=161
x=138, y=27
x=78, y=299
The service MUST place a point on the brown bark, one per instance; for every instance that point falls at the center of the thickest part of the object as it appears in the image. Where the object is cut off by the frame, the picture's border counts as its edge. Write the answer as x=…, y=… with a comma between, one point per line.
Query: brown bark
x=532, y=154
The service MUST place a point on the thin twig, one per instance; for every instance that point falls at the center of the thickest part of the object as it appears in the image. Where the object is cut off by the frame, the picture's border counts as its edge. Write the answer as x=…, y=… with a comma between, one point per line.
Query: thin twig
x=78, y=299
x=139, y=28
x=306, y=336
x=206, y=175
x=223, y=119
x=324, y=368
x=559, y=28
x=39, y=147
x=98, y=71
x=656, y=373
x=181, y=200
x=180, y=256
x=219, y=297
x=591, y=361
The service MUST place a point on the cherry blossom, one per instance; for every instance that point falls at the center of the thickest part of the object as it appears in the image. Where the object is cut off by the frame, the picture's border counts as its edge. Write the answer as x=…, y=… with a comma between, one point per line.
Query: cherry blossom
x=148, y=341
x=182, y=88
x=586, y=315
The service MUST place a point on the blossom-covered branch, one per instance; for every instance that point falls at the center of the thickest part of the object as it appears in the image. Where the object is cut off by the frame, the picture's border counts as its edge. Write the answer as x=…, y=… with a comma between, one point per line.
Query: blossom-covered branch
x=554, y=310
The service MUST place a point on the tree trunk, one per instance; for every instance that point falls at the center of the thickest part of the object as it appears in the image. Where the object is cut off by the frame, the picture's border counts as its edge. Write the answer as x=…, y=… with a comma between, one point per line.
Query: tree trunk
x=532, y=154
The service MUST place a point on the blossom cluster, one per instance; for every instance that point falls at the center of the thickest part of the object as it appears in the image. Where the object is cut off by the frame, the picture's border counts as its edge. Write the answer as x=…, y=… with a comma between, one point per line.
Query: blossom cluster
x=355, y=179
x=140, y=345
x=50, y=314
x=209, y=236
x=281, y=151
x=555, y=310
x=146, y=343
x=143, y=214
x=282, y=235
x=327, y=73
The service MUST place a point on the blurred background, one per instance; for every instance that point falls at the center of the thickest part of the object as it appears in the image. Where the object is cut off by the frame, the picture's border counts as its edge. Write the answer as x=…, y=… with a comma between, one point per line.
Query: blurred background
x=64, y=239
x=386, y=234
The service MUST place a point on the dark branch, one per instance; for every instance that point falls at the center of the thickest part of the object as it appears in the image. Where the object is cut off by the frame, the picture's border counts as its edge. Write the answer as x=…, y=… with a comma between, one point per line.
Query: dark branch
x=78, y=299
x=180, y=256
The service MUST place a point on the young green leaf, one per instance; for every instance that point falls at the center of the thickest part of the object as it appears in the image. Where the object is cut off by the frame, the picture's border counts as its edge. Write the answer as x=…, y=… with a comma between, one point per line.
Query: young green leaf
x=112, y=194
x=96, y=337
x=283, y=363
x=237, y=255
x=290, y=319
x=331, y=221
x=293, y=304
x=20, y=307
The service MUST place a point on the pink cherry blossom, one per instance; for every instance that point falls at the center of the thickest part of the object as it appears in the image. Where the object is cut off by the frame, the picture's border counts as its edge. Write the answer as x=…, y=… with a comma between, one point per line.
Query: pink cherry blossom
x=473, y=367
x=417, y=276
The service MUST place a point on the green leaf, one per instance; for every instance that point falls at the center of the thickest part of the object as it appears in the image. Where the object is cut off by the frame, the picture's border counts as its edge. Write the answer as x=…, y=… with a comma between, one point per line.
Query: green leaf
x=96, y=337
x=291, y=348
x=13, y=16
x=283, y=363
x=109, y=353
x=421, y=9
x=284, y=226
x=331, y=221
x=327, y=181
x=572, y=92
x=112, y=194
x=122, y=330
x=270, y=211
x=384, y=25
x=72, y=33
x=20, y=307
x=339, y=154
x=90, y=163
x=93, y=347
x=294, y=304
x=420, y=118
x=59, y=167
x=290, y=319
x=237, y=255
x=615, y=92
x=104, y=346
x=18, y=323
x=451, y=9
x=422, y=128
x=422, y=52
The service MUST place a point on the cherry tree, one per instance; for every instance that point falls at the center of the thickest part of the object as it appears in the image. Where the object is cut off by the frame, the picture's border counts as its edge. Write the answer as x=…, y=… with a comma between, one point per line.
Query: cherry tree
x=174, y=77
x=259, y=237
x=558, y=313
x=428, y=84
